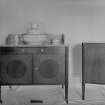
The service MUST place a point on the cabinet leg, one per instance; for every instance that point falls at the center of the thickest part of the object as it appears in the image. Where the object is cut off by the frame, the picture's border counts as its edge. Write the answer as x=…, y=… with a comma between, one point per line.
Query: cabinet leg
x=0, y=95
x=83, y=91
x=66, y=92
x=66, y=74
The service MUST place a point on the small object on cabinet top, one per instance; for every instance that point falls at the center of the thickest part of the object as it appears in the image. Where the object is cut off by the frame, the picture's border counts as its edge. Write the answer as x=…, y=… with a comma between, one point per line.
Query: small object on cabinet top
x=34, y=29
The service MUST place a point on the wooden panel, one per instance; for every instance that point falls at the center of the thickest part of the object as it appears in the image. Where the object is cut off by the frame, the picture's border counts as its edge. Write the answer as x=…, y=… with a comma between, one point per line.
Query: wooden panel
x=94, y=64
x=35, y=50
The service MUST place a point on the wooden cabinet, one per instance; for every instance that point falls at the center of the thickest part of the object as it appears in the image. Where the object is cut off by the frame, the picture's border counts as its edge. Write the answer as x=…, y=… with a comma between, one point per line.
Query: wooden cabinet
x=93, y=64
x=34, y=65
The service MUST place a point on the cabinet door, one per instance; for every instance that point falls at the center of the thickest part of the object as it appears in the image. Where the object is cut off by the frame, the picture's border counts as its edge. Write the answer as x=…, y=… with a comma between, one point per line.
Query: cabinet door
x=49, y=69
x=94, y=64
x=16, y=69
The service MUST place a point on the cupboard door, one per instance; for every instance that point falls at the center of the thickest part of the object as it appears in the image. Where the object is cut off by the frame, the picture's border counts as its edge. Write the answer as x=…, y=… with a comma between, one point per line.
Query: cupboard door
x=16, y=69
x=94, y=64
x=49, y=69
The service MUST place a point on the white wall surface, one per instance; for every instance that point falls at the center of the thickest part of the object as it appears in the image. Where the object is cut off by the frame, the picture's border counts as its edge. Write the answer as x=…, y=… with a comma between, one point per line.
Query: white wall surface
x=79, y=20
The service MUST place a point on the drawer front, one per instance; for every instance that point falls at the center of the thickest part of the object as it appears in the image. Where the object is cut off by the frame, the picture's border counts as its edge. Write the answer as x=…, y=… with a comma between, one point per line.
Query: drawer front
x=33, y=50
x=51, y=50
x=9, y=50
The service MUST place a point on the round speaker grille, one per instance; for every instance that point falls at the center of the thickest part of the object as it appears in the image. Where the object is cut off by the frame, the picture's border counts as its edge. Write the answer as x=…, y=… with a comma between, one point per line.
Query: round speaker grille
x=16, y=69
x=49, y=68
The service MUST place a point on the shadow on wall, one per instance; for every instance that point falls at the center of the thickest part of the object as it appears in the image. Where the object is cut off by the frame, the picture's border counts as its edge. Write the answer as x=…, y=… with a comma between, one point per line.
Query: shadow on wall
x=77, y=61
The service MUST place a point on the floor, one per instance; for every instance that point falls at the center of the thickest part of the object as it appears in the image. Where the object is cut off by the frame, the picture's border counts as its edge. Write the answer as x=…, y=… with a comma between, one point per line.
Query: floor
x=53, y=95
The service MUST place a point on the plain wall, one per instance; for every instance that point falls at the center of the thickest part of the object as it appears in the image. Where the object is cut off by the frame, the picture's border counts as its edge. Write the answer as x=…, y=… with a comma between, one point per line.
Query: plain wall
x=80, y=21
